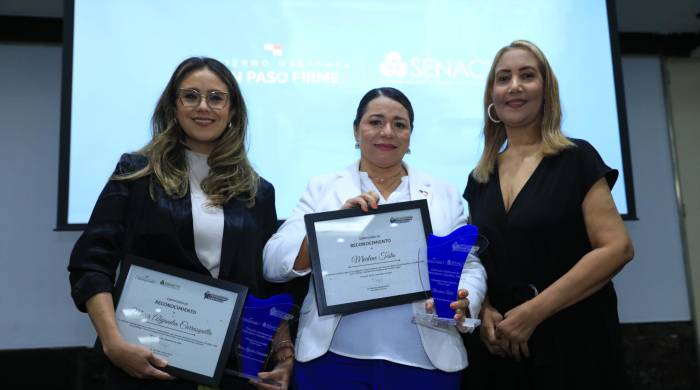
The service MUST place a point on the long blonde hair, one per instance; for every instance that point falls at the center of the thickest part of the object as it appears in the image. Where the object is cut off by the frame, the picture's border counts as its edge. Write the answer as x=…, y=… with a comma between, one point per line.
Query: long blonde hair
x=230, y=173
x=553, y=141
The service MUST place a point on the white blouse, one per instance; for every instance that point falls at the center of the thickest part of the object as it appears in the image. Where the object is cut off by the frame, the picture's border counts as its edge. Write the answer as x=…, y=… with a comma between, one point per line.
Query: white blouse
x=207, y=220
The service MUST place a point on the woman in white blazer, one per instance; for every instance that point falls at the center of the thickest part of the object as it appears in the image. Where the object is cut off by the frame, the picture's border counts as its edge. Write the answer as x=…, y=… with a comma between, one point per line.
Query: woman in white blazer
x=379, y=348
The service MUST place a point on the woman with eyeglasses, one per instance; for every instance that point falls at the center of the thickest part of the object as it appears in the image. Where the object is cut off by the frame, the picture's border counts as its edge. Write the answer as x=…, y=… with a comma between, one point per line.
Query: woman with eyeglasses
x=556, y=239
x=190, y=199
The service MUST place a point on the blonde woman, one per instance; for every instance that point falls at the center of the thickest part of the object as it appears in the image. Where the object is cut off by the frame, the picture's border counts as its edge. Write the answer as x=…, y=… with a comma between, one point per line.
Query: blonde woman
x=190, y=199
x=556, y=239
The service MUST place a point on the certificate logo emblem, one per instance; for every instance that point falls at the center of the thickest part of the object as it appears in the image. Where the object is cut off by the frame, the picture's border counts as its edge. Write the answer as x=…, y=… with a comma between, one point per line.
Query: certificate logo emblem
x=214, y=297
x=167, y=284
x=146, y=278
x=405, y=219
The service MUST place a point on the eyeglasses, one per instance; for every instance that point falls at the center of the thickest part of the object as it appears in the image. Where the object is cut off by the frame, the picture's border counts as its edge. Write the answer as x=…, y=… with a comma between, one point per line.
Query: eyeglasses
x=216, y=100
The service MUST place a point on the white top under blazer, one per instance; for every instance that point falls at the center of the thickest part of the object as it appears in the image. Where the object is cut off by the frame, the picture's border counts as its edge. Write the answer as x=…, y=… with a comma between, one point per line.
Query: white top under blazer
x=207, y=220
x=327, y=193
x=368, y=334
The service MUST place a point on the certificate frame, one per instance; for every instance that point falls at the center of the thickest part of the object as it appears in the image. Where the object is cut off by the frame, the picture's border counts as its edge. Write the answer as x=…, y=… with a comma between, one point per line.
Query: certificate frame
x=233, y=317
x=324, y=308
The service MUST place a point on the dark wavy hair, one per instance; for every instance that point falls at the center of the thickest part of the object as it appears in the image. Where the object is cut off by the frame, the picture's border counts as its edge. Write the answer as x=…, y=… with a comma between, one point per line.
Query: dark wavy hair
x=230, y=173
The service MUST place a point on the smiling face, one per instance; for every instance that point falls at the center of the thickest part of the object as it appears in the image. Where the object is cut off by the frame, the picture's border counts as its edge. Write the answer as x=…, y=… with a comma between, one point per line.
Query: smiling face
x=384, y=133
x=202, y=125
x=517, y=90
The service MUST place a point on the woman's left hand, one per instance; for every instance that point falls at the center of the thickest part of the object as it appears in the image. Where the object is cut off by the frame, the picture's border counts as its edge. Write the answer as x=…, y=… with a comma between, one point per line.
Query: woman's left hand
x=460, y=306
x=281, y=374
x=516, y=328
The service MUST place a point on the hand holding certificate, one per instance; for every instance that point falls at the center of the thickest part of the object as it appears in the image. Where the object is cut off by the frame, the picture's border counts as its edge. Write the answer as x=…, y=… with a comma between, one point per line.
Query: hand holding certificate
x=187, y=318
x=369, y=259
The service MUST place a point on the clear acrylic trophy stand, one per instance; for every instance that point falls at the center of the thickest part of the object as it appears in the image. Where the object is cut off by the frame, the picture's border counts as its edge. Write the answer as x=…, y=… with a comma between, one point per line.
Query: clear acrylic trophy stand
x=445, y=260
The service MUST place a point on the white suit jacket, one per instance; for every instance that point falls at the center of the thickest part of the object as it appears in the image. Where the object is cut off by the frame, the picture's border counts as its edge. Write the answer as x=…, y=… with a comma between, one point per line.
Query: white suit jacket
x=328, y=192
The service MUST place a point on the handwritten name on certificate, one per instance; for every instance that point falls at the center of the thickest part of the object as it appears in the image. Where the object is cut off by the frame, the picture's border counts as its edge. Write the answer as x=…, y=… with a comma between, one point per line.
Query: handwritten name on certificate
x=372, y=256
x=181, y=320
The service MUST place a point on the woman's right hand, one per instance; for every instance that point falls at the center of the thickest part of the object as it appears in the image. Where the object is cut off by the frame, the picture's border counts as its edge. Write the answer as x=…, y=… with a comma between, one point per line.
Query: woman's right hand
x=490, y=318
x=136, y=360
x=364, y=201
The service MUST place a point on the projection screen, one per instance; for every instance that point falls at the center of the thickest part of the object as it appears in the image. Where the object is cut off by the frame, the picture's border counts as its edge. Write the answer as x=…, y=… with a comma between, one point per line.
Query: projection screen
x=303, y=66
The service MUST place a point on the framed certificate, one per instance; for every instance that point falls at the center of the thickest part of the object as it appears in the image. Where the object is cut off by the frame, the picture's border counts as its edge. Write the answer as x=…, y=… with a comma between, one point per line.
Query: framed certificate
x=185, y=317
x=366, y=260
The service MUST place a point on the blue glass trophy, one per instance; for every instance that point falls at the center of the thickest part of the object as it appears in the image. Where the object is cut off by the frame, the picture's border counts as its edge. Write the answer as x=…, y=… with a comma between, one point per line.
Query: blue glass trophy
x=446, y=258
x=261, y=321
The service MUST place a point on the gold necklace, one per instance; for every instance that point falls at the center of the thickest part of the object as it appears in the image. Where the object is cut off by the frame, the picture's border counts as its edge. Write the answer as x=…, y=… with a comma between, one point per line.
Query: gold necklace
x=385, y=179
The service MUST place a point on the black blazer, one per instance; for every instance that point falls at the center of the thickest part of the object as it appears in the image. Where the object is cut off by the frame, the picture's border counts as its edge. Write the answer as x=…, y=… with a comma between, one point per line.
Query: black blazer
x=126, y=220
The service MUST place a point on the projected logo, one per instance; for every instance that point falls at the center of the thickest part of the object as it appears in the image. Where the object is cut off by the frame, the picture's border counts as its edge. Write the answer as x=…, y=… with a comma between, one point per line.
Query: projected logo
x=393, y=65
x=273, y=66
x=424, y=70
x=275, y=49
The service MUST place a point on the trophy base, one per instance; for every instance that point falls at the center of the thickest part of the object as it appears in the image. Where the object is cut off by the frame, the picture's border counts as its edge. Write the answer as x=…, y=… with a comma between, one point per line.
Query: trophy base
x=435, y=322
x=254, y=378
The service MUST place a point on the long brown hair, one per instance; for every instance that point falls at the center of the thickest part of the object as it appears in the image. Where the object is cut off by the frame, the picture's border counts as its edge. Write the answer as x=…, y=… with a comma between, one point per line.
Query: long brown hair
x=553, y=141
x=230, y=173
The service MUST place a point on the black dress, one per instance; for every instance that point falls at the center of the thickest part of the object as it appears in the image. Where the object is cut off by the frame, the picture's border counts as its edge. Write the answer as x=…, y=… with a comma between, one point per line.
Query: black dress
x=538, y=240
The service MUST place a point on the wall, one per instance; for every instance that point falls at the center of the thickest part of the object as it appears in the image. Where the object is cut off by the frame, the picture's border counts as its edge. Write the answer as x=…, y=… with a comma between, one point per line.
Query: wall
x=653, y=286
x=683, y=87
x=34, y=293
